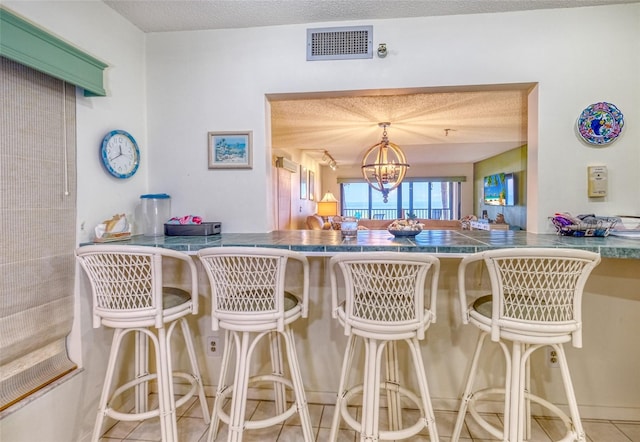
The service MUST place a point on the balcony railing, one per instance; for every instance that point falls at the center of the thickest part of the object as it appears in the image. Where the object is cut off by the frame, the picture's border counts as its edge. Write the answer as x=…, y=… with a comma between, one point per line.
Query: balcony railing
x=393, y=213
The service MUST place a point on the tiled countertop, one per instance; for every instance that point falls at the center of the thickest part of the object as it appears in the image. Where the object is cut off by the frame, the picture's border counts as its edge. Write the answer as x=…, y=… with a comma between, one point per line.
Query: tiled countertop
x=453, y=243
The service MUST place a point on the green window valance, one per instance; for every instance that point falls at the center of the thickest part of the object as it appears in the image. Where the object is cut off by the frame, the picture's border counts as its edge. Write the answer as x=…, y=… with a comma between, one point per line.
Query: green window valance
x=36, y=48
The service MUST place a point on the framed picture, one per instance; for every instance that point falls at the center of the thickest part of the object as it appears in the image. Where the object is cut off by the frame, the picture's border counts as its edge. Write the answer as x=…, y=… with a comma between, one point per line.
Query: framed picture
x=230, y=150
x=312, y=186
x=303, y=183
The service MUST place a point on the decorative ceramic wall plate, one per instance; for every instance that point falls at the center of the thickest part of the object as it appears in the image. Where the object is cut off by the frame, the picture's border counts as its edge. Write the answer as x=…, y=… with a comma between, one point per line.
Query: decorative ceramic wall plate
x=600, y=123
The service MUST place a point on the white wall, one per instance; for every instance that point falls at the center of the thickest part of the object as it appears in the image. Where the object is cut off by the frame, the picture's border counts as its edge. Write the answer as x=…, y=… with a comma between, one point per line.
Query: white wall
x=217, y=80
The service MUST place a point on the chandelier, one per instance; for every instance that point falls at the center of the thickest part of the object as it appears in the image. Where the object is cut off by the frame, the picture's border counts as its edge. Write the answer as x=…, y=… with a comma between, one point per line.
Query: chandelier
x=384, y=165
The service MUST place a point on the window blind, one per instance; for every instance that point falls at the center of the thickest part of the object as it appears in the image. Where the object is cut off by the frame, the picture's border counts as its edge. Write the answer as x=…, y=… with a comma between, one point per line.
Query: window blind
x=37, y=232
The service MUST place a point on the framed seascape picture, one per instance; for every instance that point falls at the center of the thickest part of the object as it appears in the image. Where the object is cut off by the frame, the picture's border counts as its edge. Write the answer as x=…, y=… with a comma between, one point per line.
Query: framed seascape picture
x=230, y=150
x=303, y=183
x=312, y=186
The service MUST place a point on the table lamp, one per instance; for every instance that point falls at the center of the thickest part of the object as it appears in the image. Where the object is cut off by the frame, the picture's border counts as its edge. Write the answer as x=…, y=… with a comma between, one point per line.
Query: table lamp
x=327, y=206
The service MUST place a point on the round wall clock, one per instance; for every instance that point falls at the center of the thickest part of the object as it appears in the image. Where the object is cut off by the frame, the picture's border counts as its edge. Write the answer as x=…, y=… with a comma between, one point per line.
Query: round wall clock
x=600, y=123
x=120, y=154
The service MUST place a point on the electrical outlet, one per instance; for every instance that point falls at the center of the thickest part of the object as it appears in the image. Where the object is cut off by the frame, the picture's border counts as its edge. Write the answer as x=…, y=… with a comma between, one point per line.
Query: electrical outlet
x=214, y=346
x=552, y=357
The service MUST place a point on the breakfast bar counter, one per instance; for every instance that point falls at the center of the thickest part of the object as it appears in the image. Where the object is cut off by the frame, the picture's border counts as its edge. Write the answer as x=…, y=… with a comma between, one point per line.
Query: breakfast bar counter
x=604, y=370
x=443, y=243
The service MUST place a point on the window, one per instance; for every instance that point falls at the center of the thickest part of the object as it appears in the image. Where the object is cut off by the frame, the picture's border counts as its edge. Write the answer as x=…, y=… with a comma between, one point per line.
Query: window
x=427, y=198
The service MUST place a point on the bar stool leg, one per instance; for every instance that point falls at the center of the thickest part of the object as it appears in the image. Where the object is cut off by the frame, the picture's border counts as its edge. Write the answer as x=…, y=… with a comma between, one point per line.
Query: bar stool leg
x=240, y=388
x=527, y=390
x=298, y=385
x=222, y=385
x=168, y=419
x=118, y=334
x=393, y=395
x=570, y=393
x=346, y=368
x=142, y=369
x=414, y=346
x=195, y=370
x=371, y=390
x=515, y=394
x=468, y=389
x=277, y=368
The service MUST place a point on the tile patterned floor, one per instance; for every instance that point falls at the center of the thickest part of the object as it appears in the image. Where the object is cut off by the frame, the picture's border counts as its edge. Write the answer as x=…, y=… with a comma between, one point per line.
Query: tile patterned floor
x=191, y=428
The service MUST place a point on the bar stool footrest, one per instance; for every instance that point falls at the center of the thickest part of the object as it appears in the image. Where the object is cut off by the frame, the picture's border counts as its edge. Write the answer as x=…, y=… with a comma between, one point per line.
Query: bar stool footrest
x=262, y=423
x=402, y=433
x=131, y=416
x=570, y=435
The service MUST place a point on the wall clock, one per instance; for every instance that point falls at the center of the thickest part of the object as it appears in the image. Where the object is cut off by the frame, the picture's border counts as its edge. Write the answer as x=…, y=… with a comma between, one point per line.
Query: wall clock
x=120, y=154
x=600, y=123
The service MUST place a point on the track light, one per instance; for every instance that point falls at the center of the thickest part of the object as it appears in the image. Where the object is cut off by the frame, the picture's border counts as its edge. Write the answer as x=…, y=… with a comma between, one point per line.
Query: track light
x=330, y=161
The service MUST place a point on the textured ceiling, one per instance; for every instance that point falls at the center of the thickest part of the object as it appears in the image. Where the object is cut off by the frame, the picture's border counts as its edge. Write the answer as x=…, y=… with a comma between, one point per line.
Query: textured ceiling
x=481, y=123
x=437, y=127
x=191, y=15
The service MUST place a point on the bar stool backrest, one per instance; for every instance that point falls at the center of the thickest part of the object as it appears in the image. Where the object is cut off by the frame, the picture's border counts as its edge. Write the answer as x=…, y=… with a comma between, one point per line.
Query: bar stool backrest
x=248, y=285
x=385, y=291
x=536, y=290
x=126, y=283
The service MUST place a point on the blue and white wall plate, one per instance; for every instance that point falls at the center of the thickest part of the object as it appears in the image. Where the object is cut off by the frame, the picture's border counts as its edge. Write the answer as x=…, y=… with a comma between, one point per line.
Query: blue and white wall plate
x=600, y=123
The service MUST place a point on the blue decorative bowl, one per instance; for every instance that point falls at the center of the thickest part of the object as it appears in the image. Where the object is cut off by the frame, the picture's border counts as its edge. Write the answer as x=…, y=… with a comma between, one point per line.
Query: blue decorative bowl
x=404, y=232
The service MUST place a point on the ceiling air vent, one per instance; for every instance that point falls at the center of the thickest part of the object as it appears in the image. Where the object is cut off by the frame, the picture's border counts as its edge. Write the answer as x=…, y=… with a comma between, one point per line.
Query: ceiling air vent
x=342, y=43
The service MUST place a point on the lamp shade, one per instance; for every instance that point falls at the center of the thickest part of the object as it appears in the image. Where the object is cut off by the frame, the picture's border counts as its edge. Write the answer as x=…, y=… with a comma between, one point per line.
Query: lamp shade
x=328, y=205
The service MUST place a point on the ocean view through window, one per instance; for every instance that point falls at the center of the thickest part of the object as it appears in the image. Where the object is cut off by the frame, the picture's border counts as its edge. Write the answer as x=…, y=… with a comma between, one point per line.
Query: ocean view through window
x=422, y=198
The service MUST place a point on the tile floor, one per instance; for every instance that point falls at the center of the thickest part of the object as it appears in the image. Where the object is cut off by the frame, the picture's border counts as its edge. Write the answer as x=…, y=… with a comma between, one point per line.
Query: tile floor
x=191, y=427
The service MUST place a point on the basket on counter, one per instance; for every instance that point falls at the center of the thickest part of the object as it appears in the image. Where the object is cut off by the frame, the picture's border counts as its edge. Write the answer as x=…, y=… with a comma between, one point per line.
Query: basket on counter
x=592, y=227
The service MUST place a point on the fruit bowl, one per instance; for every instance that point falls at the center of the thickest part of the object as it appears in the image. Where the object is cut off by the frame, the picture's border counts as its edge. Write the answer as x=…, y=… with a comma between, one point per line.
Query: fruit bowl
x=404, y=232
x=404, y=228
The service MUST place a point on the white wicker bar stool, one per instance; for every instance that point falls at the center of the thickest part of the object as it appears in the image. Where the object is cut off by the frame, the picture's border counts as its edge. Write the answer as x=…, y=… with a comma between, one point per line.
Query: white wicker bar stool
x=535, y=301
x=249, y=302
x=383, y=304
x=128, y=296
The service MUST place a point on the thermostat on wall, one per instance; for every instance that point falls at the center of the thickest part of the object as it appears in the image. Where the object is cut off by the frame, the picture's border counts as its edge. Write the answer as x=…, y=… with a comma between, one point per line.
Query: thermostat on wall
x=597, y=181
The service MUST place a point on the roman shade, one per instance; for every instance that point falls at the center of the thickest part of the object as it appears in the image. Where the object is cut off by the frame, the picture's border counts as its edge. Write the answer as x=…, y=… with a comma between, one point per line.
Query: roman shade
x=37, y=232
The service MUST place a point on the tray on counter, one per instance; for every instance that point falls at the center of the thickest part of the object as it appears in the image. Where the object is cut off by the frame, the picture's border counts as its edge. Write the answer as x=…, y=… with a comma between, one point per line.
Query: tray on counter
x=601, y=228
x=203, y=229
x=634, y=234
